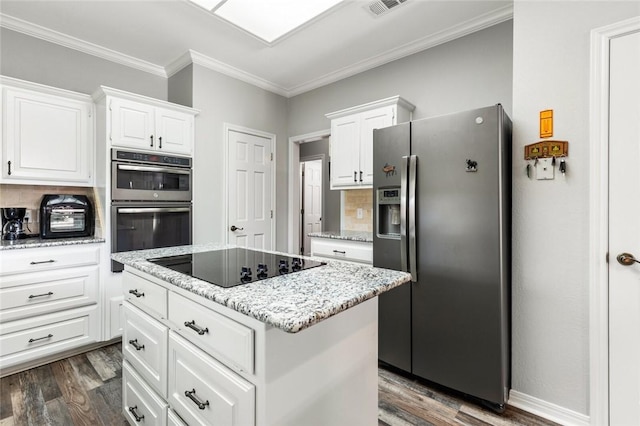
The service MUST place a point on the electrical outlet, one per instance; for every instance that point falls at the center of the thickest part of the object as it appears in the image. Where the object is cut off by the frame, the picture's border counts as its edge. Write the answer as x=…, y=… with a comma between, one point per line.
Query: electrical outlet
x=27, y=216
x=359, y=214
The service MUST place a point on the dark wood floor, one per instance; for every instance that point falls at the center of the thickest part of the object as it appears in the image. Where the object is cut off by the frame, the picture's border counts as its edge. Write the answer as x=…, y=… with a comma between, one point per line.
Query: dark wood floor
x=87, y=390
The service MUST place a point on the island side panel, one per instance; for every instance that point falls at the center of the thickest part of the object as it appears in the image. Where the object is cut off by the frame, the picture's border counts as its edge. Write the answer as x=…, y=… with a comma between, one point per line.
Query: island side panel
x=324, y=375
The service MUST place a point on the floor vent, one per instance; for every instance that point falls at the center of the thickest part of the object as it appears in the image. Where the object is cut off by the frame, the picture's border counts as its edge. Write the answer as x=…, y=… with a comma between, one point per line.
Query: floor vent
x=380, y=7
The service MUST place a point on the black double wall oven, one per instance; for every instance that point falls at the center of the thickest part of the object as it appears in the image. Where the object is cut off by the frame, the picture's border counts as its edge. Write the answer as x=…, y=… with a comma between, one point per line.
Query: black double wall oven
x=151, y=201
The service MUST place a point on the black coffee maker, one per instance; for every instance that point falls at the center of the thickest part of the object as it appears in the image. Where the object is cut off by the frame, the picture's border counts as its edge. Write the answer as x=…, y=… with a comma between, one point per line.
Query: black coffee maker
x=13, y=223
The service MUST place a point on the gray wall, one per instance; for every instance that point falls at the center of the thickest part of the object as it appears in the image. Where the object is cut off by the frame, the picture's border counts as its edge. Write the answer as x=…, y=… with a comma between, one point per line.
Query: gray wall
x=469, y=72
x=551, y=266
x=222, y=99
x=331, y=199
x=180, y=87
x=39, y=61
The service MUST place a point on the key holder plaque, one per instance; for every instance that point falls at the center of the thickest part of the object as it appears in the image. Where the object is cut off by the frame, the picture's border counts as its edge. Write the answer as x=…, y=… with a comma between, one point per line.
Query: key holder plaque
x=546, y=149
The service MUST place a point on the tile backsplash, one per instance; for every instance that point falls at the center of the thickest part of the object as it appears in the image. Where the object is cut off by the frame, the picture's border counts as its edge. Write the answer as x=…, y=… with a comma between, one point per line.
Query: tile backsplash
x=353, y=200
x=30, y=196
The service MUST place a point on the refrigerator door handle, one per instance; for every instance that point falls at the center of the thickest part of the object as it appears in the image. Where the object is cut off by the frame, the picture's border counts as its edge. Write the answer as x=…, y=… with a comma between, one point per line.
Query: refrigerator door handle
x=413, y=170
x=403, y=212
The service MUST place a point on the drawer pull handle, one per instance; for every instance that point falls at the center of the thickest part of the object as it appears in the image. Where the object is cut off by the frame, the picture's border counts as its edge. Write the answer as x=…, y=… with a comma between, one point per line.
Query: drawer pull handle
x=31, y=296
x=133, y=410
x=192, y=325
x=48, y=336
x=136, y=345
x=340, y=252
x=136, y=293
x=191, y=395
x=43, y=261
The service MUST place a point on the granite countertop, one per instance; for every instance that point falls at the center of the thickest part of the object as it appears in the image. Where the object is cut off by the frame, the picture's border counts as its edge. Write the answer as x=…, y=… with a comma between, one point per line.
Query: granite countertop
x=35, y=242
x=290, y=302
x=363, y=236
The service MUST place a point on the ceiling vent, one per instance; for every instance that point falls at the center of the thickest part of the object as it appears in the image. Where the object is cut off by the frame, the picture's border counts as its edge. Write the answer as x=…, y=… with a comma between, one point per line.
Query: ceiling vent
x=380, y=7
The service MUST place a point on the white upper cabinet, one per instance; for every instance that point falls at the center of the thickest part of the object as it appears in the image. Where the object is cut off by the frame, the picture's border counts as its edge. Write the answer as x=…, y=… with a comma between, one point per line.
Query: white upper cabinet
x=148, y=124
x=352, y=139
x=47, y=135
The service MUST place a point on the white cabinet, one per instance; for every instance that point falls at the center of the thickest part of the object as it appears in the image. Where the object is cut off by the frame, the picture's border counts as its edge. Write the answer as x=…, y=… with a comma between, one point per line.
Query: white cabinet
x=352, y=139
x=47, y=135
x=48, y=302
x=355, y=251
x=148, y=124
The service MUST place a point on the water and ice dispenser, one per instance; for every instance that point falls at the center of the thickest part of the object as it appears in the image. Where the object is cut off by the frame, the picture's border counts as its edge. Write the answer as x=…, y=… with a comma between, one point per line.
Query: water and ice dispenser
x=388, y=205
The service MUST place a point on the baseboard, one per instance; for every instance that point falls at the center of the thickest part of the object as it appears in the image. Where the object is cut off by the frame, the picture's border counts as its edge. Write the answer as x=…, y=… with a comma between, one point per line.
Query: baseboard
x=547, y=410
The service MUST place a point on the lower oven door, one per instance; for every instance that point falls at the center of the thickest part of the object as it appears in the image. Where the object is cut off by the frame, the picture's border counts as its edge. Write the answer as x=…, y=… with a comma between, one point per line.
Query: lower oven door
x=139, y=226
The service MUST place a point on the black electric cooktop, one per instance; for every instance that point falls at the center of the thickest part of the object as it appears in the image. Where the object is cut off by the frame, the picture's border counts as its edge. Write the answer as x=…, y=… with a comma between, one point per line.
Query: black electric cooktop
x=236, y=266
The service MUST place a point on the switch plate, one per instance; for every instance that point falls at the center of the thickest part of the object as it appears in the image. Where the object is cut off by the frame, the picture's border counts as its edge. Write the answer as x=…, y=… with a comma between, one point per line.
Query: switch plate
x=359, y=214
x=27, y=216
x=544, y=169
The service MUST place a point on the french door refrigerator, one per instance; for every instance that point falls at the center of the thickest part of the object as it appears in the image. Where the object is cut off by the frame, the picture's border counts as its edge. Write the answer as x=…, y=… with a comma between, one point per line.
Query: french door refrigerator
x=442, y=195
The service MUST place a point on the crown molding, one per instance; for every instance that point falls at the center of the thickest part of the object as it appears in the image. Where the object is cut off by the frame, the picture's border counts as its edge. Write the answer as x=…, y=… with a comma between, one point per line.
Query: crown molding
x=479, y=23
x=191, y=56
x=37, y=31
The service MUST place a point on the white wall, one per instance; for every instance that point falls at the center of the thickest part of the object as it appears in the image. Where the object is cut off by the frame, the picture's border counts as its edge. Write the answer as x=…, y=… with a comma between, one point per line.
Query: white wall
x=550, y=218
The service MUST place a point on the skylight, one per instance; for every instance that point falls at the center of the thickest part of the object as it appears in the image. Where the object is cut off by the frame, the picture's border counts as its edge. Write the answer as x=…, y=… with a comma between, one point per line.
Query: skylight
x=268, y=19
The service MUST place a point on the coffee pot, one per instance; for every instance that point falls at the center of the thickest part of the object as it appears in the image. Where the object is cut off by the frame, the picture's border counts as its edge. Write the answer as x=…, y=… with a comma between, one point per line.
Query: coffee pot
x=13, y=223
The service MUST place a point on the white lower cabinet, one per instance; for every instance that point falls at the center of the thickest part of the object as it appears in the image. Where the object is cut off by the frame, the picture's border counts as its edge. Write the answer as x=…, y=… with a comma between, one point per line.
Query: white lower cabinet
x=331, y=248
x=141, y=405
x=48, y=303
x=203, y=391
x=173, y=419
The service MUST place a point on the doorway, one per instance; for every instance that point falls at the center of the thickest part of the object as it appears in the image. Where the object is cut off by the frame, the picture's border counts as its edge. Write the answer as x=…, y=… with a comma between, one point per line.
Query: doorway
x=615, y=205
x=311, y=199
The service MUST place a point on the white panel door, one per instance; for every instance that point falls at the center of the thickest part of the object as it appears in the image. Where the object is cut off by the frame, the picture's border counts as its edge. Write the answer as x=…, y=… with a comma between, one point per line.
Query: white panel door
x=249, y=191
x=375, y=119
x=312, y=201
x=624, y=230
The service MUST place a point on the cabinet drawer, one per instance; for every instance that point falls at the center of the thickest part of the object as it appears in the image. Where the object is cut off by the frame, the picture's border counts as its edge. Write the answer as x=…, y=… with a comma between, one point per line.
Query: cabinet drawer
x=148, y=296
x=145, y=346
x=27, y=295
x=48, y=258
x=341, y=249
x=224, y=338
x=141, y=405
x=28, y=339
x=205, y=392
x=173, y=419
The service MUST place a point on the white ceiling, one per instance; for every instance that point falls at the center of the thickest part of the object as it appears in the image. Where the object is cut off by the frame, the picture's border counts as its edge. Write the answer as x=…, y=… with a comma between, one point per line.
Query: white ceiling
x=162, y=36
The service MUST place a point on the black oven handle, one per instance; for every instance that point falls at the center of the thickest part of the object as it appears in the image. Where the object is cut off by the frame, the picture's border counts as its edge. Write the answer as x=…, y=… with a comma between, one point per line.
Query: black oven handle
x=126, y=210
x=152, y=169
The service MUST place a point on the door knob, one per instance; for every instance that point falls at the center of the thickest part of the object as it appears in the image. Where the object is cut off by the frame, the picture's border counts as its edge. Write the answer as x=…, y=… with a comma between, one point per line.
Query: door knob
x=235, y=228
x=627, y=259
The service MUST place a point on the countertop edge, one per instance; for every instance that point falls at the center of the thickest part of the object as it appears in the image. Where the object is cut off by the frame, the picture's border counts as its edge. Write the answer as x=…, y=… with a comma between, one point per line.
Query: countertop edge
x=31, y=243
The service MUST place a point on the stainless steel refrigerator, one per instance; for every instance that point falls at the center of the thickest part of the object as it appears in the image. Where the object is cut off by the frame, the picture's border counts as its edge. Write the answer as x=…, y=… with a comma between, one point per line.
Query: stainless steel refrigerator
x=442, y=195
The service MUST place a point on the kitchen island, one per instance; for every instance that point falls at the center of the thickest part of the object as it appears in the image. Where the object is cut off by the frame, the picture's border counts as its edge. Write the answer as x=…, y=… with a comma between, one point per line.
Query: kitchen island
x=295, y=349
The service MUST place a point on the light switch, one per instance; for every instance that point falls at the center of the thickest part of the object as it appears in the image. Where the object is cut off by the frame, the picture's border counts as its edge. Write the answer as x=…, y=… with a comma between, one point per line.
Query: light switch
x=544, y=169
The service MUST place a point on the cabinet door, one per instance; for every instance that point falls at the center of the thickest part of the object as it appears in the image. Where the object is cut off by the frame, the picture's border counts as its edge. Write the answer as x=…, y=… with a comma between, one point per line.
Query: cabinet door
x=47, y=138
x=374, y=119
x=345, y=147
x=132, y=124
x=174, y=131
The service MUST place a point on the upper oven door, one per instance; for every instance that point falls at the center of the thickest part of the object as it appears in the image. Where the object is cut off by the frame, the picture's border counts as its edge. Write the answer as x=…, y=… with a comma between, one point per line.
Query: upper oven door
x=141, y=182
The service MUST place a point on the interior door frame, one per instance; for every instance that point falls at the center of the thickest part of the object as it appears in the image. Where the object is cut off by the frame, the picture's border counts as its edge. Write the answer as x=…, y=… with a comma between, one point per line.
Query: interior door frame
x=599, y=217
x=294, y=183
x=227, y=128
